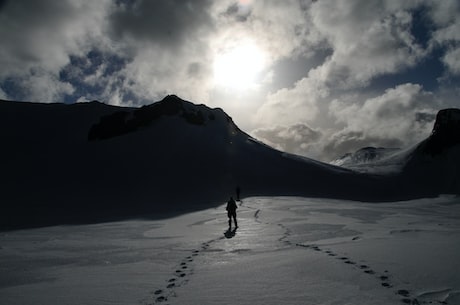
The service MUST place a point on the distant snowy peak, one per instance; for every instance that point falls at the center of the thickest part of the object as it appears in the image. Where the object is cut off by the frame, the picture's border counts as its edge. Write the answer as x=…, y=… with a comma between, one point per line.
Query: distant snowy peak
x=445, y=135
x=132, y=119
x=364, y=155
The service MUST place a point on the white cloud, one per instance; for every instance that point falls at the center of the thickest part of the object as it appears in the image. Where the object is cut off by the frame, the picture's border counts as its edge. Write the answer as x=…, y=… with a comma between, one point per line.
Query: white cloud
x=283, y=29
x=42, y=86
x=446, y=15
x=3, y=95
x=452, y=60
x=368, y=39
x=289, y=106
x=297, y=139
x=40, y=36
x=401, y=116
x=155, y=72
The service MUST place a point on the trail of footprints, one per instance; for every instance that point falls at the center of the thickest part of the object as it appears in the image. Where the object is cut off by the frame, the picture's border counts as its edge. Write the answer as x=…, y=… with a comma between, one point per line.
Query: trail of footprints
x=384, y=279
x=182, y=273
x=179, y=277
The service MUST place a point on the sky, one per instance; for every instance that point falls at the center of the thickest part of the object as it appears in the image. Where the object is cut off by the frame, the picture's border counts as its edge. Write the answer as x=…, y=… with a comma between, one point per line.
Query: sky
x=316, y=78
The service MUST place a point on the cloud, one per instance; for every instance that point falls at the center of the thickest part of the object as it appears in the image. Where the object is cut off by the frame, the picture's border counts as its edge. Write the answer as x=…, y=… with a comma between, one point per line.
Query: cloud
x=3, y=95
x=39, y=36
x=44, y=86
x=44, y=33
x=338, y=75
x=446, y=16
x=367, y=39
x=161, y=22
x=288, y=106
x=167, y=43
x=402, y=116
x=297, y=139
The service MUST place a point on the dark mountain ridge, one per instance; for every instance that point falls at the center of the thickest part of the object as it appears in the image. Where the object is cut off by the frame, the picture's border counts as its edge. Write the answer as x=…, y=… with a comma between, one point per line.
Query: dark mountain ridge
x=93, y=162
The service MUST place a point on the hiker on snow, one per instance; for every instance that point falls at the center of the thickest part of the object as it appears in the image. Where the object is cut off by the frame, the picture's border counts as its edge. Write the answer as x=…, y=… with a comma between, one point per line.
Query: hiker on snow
x=231, y=212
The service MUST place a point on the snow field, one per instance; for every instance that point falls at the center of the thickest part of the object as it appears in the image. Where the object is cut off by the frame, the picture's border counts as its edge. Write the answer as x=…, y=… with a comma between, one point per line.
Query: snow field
x=288, y=250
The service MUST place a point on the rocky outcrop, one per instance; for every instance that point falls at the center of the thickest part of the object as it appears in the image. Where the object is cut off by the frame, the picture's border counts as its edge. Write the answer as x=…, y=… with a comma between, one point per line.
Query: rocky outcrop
x=126, y=121
x=446, y=131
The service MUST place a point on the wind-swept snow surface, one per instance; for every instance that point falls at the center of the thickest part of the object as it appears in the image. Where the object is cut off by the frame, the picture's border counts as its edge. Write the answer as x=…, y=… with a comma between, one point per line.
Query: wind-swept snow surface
x=286, y=251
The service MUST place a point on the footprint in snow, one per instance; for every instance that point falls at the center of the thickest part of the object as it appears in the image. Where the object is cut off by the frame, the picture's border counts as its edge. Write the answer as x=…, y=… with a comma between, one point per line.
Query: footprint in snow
x=403, y=292
x=161, y=299
x=384, y=279
x=350, y=262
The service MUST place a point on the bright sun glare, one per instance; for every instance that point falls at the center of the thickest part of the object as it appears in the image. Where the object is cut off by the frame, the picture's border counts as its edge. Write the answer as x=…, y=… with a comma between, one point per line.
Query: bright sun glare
x=239, y=67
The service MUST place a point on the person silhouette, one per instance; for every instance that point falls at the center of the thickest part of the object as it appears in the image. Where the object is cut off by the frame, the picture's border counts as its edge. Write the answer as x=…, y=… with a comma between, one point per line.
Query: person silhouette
x=238, y=191
x=231, y=212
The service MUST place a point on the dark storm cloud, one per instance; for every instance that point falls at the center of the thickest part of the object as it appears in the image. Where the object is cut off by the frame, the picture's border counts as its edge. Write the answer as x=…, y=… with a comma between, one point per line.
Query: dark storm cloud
x=38, y=38
x=238, y=11
x=44, y=31
x=164, y=22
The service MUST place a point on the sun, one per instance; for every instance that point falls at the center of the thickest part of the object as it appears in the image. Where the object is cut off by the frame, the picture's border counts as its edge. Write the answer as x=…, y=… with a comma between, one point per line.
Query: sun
x=239, y=67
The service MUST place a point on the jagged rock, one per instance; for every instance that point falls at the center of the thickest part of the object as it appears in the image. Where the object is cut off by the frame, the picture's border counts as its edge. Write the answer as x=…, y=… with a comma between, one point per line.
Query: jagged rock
x=122, y=122
x=446, y=131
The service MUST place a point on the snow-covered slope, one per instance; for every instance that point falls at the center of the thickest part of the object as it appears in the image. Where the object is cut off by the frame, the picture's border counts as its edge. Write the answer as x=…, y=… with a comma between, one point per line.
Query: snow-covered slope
x=364, y=156
x=87, y=162
x=287, y=250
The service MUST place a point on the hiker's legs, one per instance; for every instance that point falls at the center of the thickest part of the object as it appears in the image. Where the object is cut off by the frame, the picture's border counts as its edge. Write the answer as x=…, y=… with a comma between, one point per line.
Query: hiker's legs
x=234, y=219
